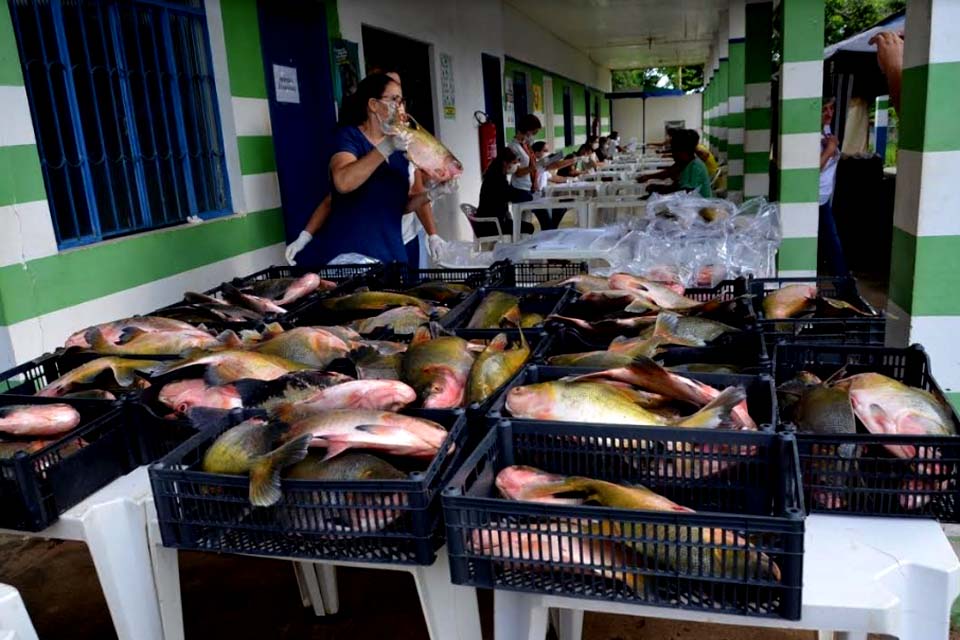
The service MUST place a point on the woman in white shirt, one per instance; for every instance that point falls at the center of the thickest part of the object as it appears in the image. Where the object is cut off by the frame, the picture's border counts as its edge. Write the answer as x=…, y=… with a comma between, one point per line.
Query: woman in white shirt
x=522, y=146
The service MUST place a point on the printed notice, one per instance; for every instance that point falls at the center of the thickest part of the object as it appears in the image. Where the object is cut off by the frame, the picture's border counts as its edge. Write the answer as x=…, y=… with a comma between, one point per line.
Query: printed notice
x=285, y=82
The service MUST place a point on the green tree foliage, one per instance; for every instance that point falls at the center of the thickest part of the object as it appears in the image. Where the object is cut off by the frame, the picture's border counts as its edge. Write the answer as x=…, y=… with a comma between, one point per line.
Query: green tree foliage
x=652, y=78
x=845, y=18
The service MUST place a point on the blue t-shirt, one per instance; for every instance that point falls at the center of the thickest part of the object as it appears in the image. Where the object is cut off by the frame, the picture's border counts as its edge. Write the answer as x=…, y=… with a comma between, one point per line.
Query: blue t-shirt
x=367, y=220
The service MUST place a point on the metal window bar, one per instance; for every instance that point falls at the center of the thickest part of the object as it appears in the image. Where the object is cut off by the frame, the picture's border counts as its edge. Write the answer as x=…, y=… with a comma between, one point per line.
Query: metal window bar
x=125, y=113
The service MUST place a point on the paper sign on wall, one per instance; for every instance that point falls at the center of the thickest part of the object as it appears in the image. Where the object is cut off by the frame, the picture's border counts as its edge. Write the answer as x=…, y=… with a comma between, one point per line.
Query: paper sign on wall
x=446, y=87
x=285, y=84
x=537, y=99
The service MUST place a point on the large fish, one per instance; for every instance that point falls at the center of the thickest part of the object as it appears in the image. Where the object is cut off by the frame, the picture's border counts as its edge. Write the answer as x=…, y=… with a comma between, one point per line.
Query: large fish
x=663, y=333
x=441, y=292
x=374, y=301
x=497, y=309
x=429, y=155
x=383, y=395
x=183, y=395
x=311, y=346
x=604, y=403
x=400, y=320
x=887, y=406
x=515, y=480
x=251, y=448
x=228, y=366
x=113, y=331
x=789, y=301
x=134, y=341
x=591, y=359
x=695, y=329
x=583, y=283
x=365, y=511
x=647, y=374
x=38, y=419
x=250, y=301
x=495, y=367
x=712, y=553
x=663, y=296
x=342, y=429
x=124, y=371
x=438, y=369
x=304, y=286
x=627, y=282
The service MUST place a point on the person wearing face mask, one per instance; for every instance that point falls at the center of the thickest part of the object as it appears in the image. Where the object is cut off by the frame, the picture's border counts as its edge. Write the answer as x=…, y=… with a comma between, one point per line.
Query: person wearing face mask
x=594, y=143
x=613, y=145
x=410, y=222
x=522, y=146
x=496, y=194
x=548, y=219
x=371, y=176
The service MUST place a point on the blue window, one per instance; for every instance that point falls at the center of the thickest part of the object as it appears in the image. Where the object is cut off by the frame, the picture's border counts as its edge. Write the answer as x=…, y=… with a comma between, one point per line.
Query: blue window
x=125, y=113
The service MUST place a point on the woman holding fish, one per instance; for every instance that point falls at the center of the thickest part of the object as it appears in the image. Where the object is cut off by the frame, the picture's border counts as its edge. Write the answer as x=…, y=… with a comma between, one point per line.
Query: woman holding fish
x=370, y=174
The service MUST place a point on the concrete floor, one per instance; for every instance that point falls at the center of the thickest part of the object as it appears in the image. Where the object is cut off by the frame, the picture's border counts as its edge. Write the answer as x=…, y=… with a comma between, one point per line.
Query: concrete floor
x=248, y=598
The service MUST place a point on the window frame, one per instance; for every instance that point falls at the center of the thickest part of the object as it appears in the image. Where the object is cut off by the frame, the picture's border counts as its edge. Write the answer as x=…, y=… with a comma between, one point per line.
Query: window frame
x=568, y=130
x=147, y=216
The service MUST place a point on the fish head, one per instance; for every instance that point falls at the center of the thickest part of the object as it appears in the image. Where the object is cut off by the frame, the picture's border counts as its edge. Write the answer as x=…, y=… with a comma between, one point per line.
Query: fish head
x=534, y=401
x=390, y=395
x=514, y=480
x=445, y=390
x=172, y=392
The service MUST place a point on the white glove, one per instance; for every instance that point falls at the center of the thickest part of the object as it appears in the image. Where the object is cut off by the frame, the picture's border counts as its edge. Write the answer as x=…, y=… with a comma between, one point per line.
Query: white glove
x=398, y=141
x=435, y=245
x=443, y=189
x=297, y=246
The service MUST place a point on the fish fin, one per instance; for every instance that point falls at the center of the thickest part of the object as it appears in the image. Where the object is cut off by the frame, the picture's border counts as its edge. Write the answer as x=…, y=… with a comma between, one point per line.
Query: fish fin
x=96, y=339
x=126, y=374
x=421, y=335
x=717, y=414
x=576, y=322
x=265, y=471
x=523, y=340
x=836, y=375
x=335, y=448
x=204, y=418
x=229, y=340
x=213, y=376
x=378, y=429
x=640, y=306
x=665, y=331
x=511, y=317
x=272, y=329
x=249, y=337
x=129, y=333
x=252, y=391
x=499, y=343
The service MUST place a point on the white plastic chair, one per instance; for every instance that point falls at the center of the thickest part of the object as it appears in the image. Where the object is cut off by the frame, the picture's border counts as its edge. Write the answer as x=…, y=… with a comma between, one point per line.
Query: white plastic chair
x=470, y=212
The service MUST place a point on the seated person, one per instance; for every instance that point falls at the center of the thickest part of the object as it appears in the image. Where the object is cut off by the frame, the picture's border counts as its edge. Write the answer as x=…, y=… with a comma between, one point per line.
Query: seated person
x=496, y=194
x=667, y=173
x=602, y=149
x=613, y=145
x=704, y=154
x=691, y=173
x=578, y=160
x=548, y=219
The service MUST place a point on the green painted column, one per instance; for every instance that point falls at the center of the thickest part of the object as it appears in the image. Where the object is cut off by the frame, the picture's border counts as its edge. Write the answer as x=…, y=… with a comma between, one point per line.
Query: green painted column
x=723, y=84
x=735, y=101
x=758, y=66
x=924, y=291
x=798, y=164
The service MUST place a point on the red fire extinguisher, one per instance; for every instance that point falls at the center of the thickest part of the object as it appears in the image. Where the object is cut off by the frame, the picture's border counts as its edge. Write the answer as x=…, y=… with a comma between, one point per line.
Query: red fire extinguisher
x=488, y=139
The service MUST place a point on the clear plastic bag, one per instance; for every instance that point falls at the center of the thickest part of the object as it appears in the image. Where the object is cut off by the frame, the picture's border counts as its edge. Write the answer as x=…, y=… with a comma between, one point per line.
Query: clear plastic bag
x=454, y=254
x=352, y=258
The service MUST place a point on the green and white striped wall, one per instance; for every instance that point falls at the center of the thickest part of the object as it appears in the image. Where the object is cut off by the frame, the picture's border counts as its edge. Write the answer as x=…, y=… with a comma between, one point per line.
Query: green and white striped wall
x=723, y=85
x=801, y=89
x=46, y=294
x=924, y=304
x=735, y=100
x=757, y=114
x=534, y=78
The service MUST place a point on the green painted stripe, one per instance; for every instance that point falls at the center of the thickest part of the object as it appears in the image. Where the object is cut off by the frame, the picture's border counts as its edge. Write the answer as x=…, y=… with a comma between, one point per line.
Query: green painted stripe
x=21, y=179
x=558, y=132
x=800, y=115
x=954, y=399
x=579, y=129
x=241, y=34
x=931, y=94
x=756, y=162
x=256, y=154
x=758, y=46
x=722, y=144
x=734, y=151
x=903, y=254
x=736, y=120
x=11, y=72
x=802, y=30
x=735, y=86
x=757, y=118
x=799, y=185
x=72, y=277
x=925, y=273
x=883, y=103
x=734, y=183
x=797, y=254
x=508, y=133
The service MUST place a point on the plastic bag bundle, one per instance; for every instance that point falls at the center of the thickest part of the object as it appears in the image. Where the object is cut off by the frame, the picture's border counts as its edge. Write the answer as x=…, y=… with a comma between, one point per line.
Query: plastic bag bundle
x=353, y=258
x=455, y=254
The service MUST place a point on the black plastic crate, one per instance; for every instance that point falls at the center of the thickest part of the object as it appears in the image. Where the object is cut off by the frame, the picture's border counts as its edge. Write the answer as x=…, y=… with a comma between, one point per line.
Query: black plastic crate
x=537, y=274
x=212, y=512
x=860, y=330
x=542, y=300
x=595, y=552
x=857, y=474
x=745, y=350
x=399, y=276
x=152, y=437
x=35, y=488
x=28, y=378
x=761, y=394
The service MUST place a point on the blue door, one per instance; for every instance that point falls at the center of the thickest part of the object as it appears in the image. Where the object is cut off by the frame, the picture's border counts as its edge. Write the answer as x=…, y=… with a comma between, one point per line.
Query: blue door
x=293, y=35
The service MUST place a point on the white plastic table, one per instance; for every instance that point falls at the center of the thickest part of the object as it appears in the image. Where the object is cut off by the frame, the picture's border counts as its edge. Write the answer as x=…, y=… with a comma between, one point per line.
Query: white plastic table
x=450, y=611
x=576, y=188
x=113, y=525
x=15, y=623
x=518, y=208
x=860, y=575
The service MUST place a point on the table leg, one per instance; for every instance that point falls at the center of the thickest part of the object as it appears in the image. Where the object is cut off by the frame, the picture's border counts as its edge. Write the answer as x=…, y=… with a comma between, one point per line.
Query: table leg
x=569, y=624
x=166, y=577
x=310, y=590
x=450, y=610
x=926, y=608
x=13, y=615
x=301, y=584
x=116, y=534
x=850, y=635
x=327, y=574
x=517, y=218
x=518, y=616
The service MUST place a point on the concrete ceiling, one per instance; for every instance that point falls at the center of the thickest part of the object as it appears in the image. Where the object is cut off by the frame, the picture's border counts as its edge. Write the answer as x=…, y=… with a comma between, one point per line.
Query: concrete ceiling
x=628, y=34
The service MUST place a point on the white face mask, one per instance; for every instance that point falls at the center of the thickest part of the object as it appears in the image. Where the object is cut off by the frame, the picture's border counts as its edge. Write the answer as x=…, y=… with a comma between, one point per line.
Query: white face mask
x=596, y=145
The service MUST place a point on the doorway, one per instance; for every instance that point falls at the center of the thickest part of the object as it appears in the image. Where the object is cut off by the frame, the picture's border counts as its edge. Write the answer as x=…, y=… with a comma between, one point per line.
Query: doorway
x=589, y=119
x=520, y=95
x=386, y=51
x=567, y=117
x=303, y=119
x=493, y=93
